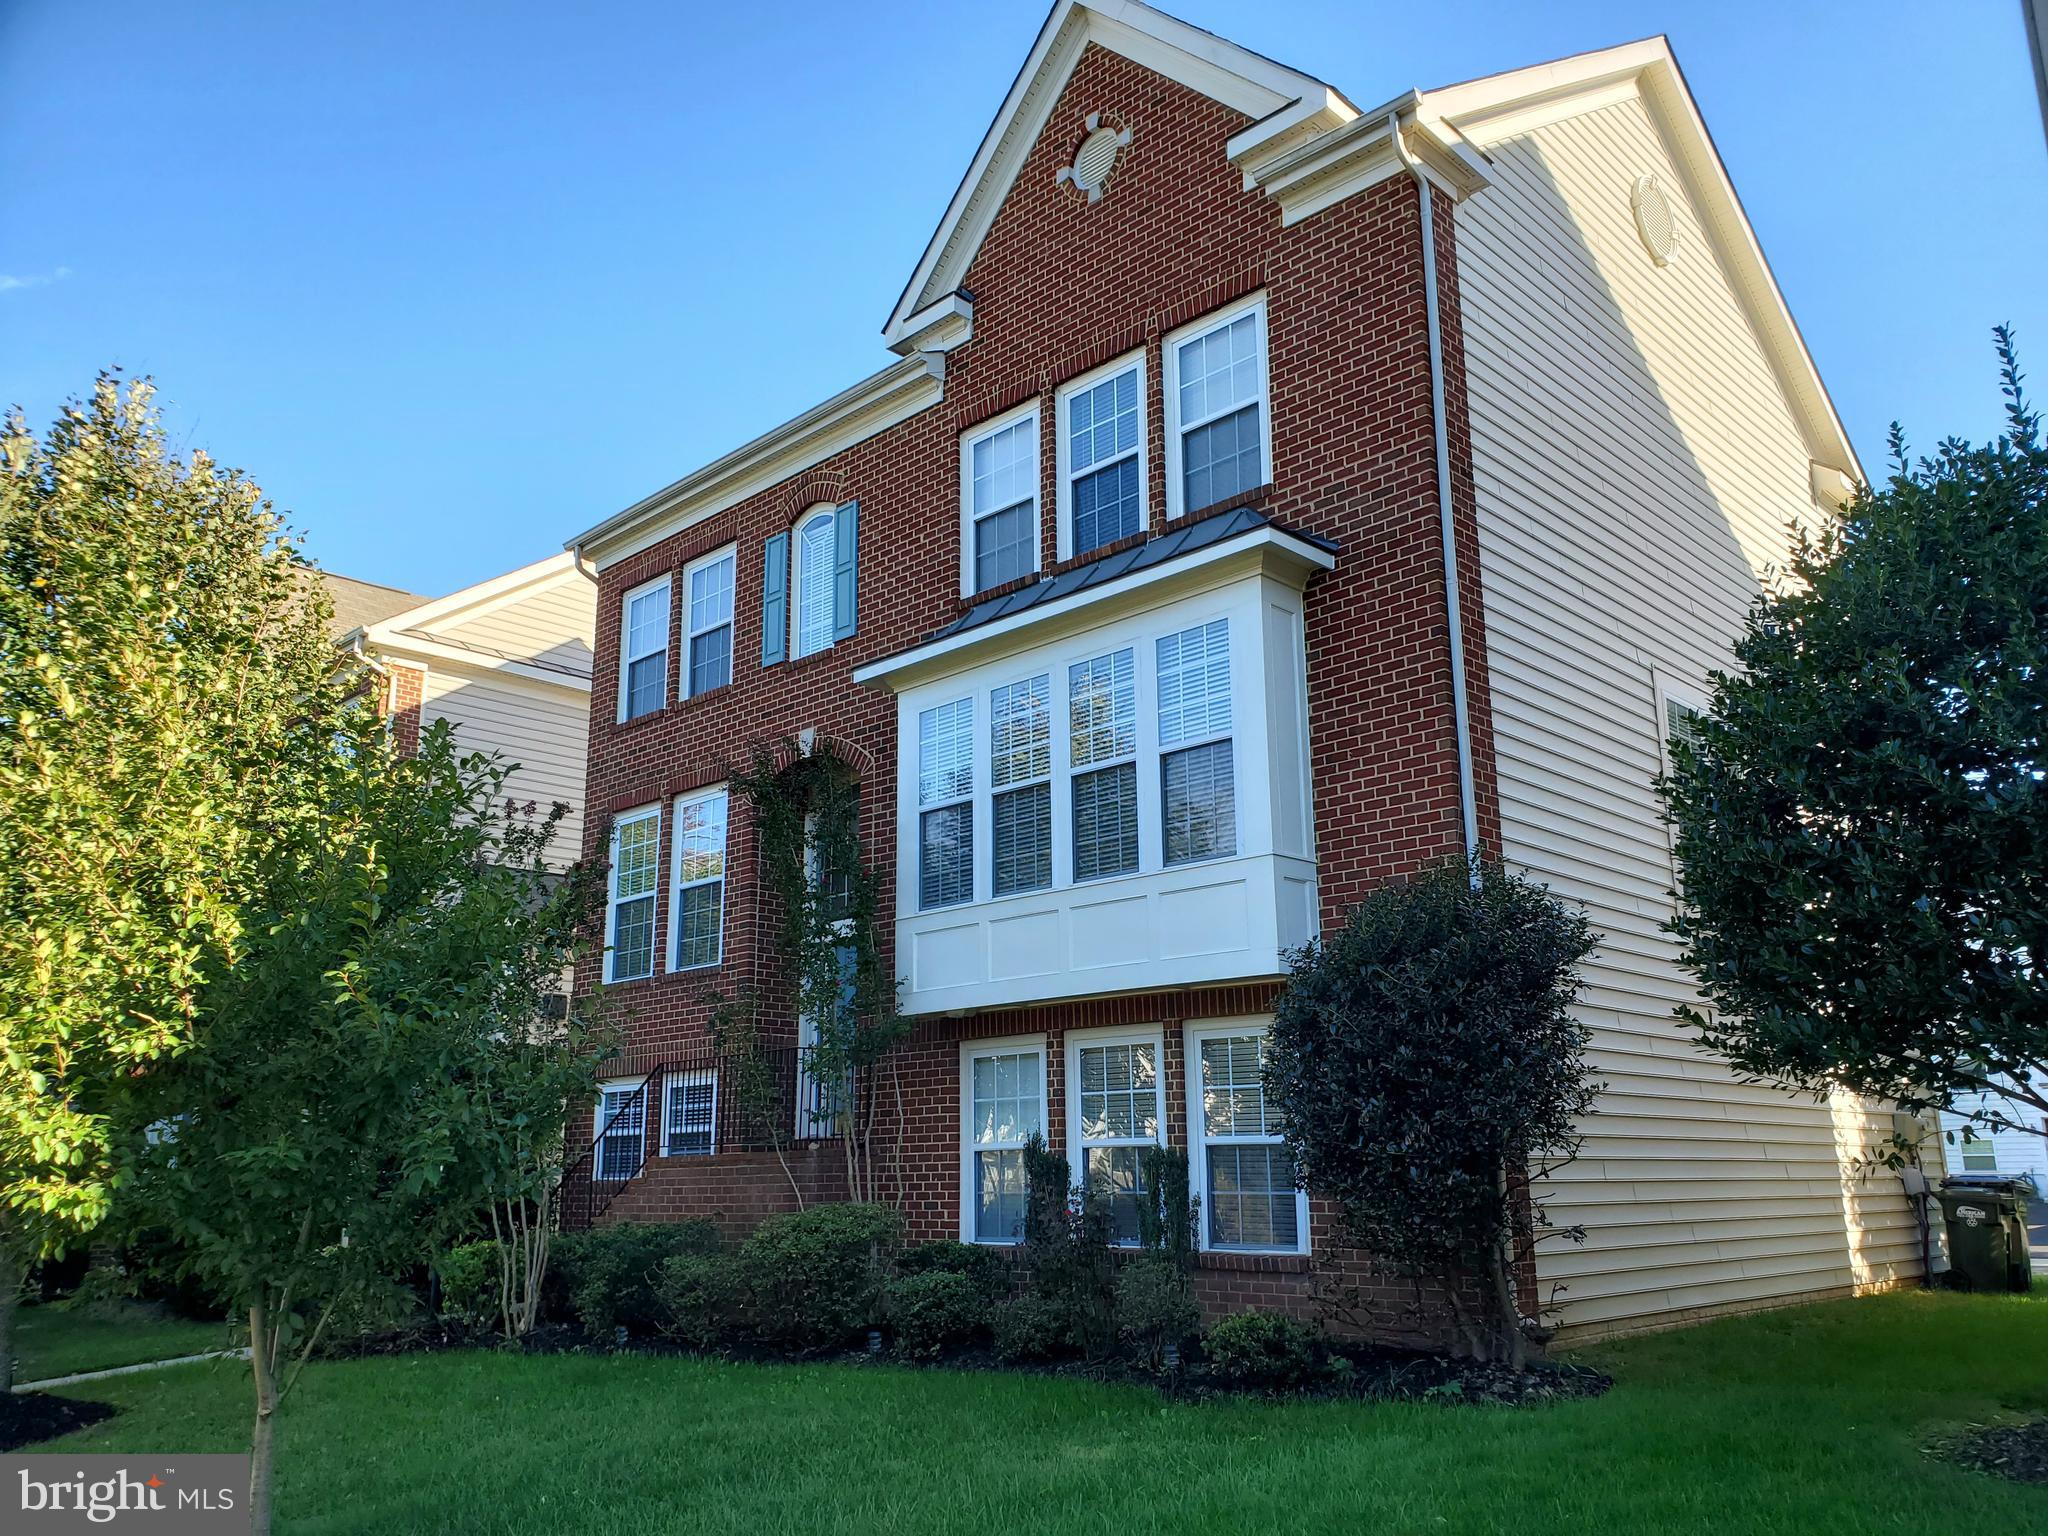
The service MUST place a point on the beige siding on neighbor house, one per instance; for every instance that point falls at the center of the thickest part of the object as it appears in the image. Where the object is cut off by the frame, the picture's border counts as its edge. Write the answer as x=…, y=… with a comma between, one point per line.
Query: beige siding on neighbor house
x=543, y=729
x=551, y=626
x=1636, y=466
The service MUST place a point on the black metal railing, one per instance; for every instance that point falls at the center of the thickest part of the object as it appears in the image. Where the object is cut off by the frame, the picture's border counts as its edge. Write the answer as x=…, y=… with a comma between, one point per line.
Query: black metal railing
x=703, y=1103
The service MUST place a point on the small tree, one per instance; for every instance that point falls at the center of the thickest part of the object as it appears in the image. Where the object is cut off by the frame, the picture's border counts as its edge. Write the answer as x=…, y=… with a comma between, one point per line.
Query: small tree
x=367, y=1080
x=163, y=661
x=1428, y=1069
x=1859, y=817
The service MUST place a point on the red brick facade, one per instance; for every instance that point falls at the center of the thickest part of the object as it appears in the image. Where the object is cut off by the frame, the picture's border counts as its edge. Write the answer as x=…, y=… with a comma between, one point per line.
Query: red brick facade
x=1060, y=285
x=405, y=693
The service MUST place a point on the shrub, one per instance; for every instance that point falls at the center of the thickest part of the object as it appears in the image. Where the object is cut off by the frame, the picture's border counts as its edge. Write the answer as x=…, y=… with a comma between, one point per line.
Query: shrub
x=698, y=1295
x=813, y=1278
x=1031, y=1327
x=470, y=1278
x=1154, y=1307
x=988, y=1268
x=1166, y=1206
x=608, y=1272
x=1067, y=1234
x=935, y=1312
x=1262, y=1349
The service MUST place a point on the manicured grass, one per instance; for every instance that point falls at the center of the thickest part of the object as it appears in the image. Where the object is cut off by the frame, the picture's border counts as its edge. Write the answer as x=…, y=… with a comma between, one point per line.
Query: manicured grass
x=61, y=1340
x=1803, y=1421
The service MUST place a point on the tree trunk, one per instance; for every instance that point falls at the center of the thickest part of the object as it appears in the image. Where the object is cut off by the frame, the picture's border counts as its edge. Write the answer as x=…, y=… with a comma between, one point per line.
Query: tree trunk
x=263, y=1442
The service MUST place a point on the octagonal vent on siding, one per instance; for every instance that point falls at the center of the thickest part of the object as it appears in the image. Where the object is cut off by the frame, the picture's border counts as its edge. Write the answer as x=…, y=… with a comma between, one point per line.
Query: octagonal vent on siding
x=1659, y=230
x=1097, y=156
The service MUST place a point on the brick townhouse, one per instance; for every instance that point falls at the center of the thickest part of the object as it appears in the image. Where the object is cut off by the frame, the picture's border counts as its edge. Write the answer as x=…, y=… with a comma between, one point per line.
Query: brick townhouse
x=1270, y=497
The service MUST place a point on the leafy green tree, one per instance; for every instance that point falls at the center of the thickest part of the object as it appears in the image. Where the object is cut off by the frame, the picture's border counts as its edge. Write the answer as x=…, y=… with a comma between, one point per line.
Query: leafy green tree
x=163, y=664
x=372, y=1079
x=1428, y=1068
x=1860, y=818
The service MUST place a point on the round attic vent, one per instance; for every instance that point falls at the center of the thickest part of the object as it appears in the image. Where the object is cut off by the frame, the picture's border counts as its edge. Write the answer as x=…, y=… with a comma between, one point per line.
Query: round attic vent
x=1097, y=156
x=1653, y=219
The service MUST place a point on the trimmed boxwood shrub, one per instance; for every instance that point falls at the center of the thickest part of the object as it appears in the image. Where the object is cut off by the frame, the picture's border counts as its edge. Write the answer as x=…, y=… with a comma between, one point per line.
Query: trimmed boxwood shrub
x=606, y=1275
x=934, y=1313
x=698, y=1294
x=988, y=1268
x=1155, y=1307
x=1262, y=1349
x=1031, y=1327
x=470, y=1277
x=814, y=1278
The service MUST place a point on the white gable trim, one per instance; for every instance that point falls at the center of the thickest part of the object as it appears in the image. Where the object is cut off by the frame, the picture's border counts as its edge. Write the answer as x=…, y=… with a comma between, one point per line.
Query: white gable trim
x=1489, y=110
x=1288, y=103
x=474, y=602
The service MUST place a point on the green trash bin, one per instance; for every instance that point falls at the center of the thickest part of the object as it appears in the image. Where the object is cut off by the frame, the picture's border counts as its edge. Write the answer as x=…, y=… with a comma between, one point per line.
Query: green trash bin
x=1987, y=1236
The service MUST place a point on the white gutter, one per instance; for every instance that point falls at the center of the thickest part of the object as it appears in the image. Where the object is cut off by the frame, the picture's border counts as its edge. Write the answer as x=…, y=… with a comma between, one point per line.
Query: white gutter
x=1468, y=804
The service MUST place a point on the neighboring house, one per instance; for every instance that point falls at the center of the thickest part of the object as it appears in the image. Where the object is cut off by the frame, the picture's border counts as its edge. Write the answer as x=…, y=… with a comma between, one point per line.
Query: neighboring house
x=1974, y=1147
x=1128, y=590
x=506, y=662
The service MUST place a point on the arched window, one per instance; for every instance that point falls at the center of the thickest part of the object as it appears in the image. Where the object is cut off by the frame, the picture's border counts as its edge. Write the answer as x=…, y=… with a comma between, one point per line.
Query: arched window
x=810, y=611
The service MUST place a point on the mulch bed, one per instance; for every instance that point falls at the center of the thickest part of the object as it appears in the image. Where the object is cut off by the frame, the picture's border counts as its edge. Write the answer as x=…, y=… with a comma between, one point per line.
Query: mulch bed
x=2017, y=1451
x=29, y=1417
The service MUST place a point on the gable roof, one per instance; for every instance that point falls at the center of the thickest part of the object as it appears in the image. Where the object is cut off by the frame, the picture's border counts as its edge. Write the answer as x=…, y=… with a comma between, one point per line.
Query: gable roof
x=423, y=629
x=361, y=603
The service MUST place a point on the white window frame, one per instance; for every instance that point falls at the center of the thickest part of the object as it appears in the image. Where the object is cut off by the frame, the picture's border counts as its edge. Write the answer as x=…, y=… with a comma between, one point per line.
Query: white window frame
x=970, y=1052
x=703, y=563
x=1063, y=481
x=827, y=513
x=1209, y=738
x=976, y=801
x=691, y=1079
x=1170, y=393
x=597, y=1128
x=974, y=434
x=1198, y=1137
x=1669, y=690
x=676, y=884
x=1144, y=748
x=1077, y=1146
x=625, y=628
x=1040, y=780
x=611, y=904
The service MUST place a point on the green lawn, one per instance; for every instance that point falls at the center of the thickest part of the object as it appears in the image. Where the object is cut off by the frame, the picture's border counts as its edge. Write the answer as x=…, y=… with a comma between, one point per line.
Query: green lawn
x=1805, y=1421
x=59, y=1341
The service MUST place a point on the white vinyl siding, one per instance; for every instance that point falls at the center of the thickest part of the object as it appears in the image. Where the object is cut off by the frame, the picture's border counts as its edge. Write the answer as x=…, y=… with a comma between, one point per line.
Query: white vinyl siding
x=544, y=729
x=629, y=911
x=999, y=501
x=643, y=650
x=1636, y=464
x=696, y=912
x=1002, y=1105
x=1218, y=421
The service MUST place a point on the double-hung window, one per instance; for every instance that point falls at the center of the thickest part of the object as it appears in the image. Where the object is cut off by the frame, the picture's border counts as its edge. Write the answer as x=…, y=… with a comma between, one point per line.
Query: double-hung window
x=945, y=798
x=1116, y=1107
x=697, y=904
x=690, y=1125
x=999, y=501
x=1216, y=410
x=636, y=840
x=1020, y=773
x=1198, y=790
x=1243, y=1169
x=1680, y=710
x=1102, y=457
x=707, y=650
x=1102, y=721
x=643, y=650
x=811, y=612
x=1002, y=1105
x=621, y=1129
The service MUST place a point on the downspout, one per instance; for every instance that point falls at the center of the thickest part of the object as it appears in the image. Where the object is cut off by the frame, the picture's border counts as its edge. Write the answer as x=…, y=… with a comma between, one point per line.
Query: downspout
x=355, y=649
x=576, y=559
x=1468, y=804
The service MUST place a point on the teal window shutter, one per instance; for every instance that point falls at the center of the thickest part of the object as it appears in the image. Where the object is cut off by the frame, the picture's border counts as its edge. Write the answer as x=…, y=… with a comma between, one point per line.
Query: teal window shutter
x=845, y=570
x=775, y=600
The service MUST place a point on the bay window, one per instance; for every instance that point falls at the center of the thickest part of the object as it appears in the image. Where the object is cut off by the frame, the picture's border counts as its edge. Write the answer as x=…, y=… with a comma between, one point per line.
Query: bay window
x=1002, y=1103
x=945, y=798
x=1217, y=424
x=1102, y=457
x=636, y=839
x=707, y=650
x=643, y=650
x=1116, y=1107
x=1240, y=1164
x=1102, y=718
x=697, y=902
x=1198, y=797
x=1020, y=775
x=999, y=501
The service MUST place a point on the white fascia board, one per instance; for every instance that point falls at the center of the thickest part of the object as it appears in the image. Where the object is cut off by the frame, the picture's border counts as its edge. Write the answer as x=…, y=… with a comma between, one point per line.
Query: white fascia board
x=853, y=415
x=1491, y=108
x=474, y=602
x=940, y=326
x=1217, y=68
x=417, y=650
x=1344, y=161
x=1271, y=551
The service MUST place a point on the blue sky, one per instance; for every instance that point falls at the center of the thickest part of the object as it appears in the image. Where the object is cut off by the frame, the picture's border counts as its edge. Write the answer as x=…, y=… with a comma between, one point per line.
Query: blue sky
x=454, y=281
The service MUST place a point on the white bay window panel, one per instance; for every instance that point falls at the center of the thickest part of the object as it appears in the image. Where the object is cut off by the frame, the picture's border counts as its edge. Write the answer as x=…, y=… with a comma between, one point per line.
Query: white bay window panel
x=1102, y=716
x=1116, y=1107
x=945, y=820
x=1198, y=791
x=629, y=916
x=1218, y=426
x=1002, y=1106
x=643, y=650
x=1242, y=1169
x=1020, y=780
x=697, y=903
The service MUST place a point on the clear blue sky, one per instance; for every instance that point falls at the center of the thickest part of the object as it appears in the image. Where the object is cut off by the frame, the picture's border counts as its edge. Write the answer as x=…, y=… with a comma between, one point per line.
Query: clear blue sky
x=454, y=281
